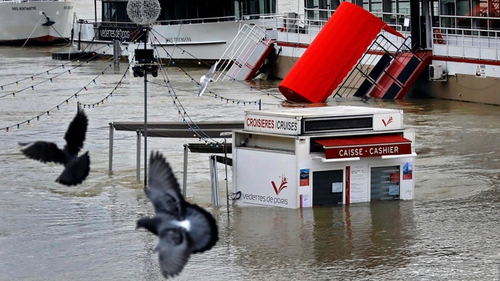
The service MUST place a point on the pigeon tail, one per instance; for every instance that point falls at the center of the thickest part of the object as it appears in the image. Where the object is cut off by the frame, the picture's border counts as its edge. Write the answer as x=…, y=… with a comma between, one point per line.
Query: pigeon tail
x=174, y=250
x=75, y=171
x=204, y=232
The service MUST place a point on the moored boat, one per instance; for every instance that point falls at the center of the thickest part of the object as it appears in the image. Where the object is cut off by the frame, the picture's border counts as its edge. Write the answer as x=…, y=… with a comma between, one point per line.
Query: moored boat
x=35, y=22
x=194, y=31
x=459, y=41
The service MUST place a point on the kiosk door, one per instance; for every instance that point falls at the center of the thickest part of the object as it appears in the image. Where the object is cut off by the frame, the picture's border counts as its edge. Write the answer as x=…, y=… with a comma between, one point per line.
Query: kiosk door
x=328, y=188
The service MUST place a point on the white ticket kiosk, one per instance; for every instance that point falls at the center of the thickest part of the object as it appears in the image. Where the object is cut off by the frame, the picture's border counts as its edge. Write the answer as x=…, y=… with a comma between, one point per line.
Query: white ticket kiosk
x=304, y=157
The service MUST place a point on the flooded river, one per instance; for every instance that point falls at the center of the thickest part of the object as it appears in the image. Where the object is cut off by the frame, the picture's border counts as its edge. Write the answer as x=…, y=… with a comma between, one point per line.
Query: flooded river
x=450, y=231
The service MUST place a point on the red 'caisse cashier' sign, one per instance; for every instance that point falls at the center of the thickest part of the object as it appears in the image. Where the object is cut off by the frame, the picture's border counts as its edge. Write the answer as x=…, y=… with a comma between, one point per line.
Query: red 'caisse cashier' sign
x=365, y=146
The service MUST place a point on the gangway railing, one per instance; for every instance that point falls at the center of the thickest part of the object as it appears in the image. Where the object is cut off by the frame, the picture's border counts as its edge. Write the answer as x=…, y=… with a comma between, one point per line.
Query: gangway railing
x=244, y=55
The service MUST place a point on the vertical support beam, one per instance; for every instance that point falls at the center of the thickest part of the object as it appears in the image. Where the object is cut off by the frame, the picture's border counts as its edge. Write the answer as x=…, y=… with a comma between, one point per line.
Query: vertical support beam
x=214, y=181
x=116, y=53
x=415, y=24
x=138, y=152
x=225, y=170
x=145, y=126
x=111, y=139
x=184, y=174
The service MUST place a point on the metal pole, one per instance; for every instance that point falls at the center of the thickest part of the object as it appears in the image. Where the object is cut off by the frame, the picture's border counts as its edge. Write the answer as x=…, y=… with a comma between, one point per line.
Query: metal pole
x=111, y=138
x=138, y=152
x=145, y=120
x=184, y=176
x=145, y=130
x=214, y=180
x=225, y=165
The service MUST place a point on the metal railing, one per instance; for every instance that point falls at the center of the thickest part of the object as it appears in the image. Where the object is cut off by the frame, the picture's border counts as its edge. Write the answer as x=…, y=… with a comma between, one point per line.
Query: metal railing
x=466, y=43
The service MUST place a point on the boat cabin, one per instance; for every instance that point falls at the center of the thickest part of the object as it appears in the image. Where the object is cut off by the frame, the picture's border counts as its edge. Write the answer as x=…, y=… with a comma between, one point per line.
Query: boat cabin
x=304, y=157
x=115, y=23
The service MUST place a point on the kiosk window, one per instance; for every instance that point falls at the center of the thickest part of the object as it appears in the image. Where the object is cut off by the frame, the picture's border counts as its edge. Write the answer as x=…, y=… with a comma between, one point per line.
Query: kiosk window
x=385, y=183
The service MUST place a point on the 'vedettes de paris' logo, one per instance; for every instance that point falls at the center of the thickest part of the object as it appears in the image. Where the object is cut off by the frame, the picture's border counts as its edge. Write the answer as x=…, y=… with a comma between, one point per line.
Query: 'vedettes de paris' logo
x=283, y=185
x=389, y=121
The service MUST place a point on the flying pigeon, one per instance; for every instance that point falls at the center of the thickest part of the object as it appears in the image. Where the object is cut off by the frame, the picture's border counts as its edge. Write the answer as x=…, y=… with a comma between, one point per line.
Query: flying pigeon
x=76, y=168
x=182, y=228
x=205, y=79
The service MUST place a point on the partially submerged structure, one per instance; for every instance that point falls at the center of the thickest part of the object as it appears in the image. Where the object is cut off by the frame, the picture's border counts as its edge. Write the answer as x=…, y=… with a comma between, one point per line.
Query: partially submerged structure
x=304, y=157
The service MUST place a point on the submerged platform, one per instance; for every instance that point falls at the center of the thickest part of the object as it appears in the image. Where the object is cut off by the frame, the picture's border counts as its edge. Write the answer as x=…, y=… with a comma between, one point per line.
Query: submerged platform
x=73, y=55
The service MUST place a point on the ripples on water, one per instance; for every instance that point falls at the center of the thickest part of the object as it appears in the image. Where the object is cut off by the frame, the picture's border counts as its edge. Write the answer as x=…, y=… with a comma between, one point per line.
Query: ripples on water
x=52, y=232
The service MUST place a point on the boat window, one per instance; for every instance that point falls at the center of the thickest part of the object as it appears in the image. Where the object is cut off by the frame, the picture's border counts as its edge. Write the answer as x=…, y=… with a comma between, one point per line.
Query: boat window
x=115, y=11
x=196, y=11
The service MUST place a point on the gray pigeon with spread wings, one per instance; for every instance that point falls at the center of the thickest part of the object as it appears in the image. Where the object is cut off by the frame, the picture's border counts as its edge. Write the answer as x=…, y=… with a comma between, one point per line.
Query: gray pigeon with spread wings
x=76, y=168
x=182, y=228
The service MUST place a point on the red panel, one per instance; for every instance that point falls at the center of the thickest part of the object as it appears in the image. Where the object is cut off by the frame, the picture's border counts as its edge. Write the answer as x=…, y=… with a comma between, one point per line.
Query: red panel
x=365, y=146
x=332, y=54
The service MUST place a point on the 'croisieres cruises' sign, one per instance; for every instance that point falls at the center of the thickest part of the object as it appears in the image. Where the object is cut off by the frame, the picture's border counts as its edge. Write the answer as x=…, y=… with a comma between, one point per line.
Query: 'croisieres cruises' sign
x=272, y=124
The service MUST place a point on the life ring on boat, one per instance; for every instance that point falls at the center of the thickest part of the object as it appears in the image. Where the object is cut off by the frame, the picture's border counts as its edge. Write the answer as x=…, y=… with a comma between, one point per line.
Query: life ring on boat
x=283, y=28
x=438, y=37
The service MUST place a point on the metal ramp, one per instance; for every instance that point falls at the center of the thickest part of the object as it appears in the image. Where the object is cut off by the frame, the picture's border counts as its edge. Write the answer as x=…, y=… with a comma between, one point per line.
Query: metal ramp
x=245, y=54
x=385, y=71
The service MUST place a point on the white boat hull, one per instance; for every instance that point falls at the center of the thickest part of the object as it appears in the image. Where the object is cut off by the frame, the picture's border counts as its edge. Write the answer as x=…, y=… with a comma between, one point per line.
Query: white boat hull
x=196, y=41
x=185, y=42
x=22, y=21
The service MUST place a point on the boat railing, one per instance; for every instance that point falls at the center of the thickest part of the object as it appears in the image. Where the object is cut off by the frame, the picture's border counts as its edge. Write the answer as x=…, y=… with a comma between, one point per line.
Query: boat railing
x=306, y=26
x=27, y=1
x=115, y=23
x=398, y=21
x=196, y=20
x=217, y=19
x=466, y=43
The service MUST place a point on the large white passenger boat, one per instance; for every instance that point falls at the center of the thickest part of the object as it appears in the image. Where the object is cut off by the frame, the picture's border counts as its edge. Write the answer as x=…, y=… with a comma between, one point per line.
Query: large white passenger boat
x=35, y=22
x=185, y=30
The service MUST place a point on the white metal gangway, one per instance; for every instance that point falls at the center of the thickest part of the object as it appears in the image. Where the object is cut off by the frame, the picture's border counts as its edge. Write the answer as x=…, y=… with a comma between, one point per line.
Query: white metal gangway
x=245, y=54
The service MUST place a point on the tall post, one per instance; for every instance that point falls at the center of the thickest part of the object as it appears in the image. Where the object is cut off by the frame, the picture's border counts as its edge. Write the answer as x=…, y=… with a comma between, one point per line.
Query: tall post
x=225, y=167
x=145, y=128
x=144, y=12
x=184, y=175
x=145, y=115
x=111, y=138
x=138, y=157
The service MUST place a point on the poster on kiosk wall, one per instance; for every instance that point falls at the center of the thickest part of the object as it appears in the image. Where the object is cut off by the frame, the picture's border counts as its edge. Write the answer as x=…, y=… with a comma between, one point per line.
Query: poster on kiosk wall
x=271, y=182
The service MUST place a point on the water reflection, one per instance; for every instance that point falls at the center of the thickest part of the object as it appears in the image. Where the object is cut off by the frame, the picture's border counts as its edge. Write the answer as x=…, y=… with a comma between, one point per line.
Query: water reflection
x=370, y=235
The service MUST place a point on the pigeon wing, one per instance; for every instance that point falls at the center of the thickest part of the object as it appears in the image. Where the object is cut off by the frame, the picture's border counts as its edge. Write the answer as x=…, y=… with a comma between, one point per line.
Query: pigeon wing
x=174, y=250
x=203, y=230
x=205, y=79
x=44, y=152
x=75, y=171
x=163, y=188
x=75, y=134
